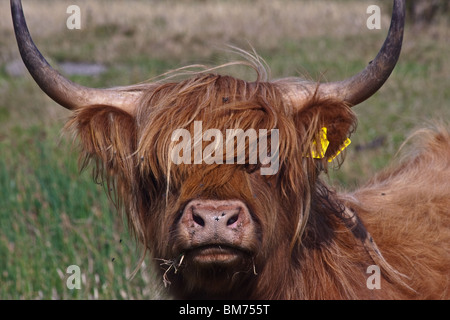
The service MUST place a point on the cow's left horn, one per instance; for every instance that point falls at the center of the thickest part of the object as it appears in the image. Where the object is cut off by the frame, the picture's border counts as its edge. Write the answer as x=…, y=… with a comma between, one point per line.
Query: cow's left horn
x=363, y=85
x=65, y=92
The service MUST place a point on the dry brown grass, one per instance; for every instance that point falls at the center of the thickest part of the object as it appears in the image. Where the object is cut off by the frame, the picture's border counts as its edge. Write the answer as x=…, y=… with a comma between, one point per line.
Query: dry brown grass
x=174, y=28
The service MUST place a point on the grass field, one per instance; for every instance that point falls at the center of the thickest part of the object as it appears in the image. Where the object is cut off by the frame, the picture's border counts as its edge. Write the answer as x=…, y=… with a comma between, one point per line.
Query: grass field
x=52, y=216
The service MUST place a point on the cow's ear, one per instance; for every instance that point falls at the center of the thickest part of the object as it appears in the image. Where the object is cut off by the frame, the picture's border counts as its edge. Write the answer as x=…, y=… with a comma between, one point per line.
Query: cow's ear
x=106, y=135
x=324, y=127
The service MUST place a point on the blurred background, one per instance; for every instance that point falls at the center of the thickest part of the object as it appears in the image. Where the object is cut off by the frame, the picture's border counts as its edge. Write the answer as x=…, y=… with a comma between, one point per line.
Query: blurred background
x=52, y=216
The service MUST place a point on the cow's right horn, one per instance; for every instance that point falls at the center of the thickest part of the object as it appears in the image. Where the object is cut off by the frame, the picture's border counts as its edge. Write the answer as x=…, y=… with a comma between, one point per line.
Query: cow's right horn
x=65, y=92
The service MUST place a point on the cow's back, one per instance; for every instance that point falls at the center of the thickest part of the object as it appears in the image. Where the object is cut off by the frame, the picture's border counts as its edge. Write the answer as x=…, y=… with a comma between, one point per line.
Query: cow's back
x=406, y=209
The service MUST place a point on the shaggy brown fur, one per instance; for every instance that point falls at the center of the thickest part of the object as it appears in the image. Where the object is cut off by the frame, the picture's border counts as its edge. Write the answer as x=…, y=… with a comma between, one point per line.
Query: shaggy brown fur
x=406, y=208
x=312, y=242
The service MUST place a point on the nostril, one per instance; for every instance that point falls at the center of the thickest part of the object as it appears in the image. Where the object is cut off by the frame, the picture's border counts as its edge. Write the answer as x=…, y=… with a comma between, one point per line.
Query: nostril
x=233, y=219
x=198, y=220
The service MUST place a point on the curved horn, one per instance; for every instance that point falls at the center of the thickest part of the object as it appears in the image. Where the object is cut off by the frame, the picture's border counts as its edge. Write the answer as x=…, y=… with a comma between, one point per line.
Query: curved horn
x=65, y=92
x=363, y=85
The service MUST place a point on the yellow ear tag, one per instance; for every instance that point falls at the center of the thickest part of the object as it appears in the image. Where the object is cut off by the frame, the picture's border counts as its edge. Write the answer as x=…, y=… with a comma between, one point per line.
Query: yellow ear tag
x=315, y=151
x=320, y=153
x=343, y=146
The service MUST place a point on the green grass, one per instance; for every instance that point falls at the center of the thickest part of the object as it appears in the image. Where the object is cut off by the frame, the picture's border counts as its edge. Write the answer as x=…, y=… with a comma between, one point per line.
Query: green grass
x=52, y=216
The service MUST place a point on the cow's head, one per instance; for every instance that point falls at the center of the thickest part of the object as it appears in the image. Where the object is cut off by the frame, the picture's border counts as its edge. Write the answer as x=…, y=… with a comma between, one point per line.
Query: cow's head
x=212, y=209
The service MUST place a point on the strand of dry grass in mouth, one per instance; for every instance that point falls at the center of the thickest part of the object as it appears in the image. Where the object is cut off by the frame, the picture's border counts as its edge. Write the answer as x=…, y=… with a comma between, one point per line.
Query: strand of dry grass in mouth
x=171, y=264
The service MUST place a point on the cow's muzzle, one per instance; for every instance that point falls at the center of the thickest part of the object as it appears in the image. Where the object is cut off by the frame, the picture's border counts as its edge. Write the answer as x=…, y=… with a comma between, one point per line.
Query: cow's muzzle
x=216, y=231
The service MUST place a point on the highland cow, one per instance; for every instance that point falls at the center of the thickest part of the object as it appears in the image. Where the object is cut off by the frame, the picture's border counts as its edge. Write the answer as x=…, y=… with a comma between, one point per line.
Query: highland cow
x=221, y=228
